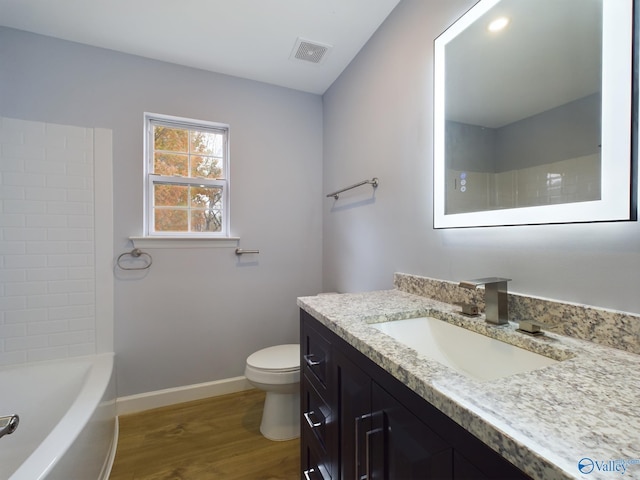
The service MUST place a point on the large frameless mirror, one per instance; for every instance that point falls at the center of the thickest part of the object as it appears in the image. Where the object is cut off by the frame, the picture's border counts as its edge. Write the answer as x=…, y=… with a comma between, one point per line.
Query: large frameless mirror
x=536, y=114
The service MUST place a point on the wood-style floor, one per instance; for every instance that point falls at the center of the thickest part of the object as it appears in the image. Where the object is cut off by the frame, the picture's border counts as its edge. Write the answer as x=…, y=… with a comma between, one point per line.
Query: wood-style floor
x=212, y=439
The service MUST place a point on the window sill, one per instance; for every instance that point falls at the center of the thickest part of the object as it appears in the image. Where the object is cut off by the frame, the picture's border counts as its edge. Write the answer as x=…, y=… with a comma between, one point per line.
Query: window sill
x=184, y=242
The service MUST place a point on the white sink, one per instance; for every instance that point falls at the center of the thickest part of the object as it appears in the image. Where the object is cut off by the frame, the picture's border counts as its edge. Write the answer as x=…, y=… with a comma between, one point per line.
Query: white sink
x=472, y=354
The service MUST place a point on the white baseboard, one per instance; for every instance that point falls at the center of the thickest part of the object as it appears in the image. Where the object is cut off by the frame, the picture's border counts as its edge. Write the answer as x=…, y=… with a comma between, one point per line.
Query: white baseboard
x=188, y=393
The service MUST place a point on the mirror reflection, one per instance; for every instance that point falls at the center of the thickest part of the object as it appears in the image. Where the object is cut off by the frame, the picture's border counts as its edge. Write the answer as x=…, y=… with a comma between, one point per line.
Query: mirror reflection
x=519, y=117
x=522, y=116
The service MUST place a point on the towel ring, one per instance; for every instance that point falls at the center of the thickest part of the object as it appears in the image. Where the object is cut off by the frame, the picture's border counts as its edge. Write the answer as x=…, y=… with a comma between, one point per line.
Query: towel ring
x=135, y=253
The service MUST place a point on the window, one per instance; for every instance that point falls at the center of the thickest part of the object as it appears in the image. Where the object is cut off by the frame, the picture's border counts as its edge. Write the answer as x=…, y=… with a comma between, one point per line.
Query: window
x=186, y=177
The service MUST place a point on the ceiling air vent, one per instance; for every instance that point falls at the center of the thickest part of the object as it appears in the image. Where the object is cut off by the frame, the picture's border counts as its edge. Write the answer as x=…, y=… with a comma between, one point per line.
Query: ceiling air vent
x=309, y=51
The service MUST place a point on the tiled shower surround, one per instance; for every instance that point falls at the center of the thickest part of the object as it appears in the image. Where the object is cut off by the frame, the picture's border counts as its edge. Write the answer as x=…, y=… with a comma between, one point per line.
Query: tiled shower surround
x=47, y=247
x=607, y=327
x=566, y=181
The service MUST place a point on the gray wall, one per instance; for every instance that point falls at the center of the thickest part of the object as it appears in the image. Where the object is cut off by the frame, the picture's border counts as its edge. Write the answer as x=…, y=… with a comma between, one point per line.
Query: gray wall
x=568, y=131
x=470, y=147
x=378, y=122
x=197, y=313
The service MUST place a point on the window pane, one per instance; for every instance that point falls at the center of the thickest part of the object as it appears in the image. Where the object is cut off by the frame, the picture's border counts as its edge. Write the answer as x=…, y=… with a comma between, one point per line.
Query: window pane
x=208, y=167
x=206, y=221
x=206, y=197
x=170, y=220
x=170, y=139
x=170, y=195
x=186, y=166
x=171, y=164
x=207, y=143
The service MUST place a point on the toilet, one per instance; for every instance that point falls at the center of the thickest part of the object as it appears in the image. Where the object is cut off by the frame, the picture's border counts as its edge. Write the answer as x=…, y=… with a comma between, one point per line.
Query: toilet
x=276, y=370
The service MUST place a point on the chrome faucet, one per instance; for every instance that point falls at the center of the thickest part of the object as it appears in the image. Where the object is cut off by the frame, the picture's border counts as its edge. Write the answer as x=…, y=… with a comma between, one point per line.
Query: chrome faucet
x=495, y=298
x=8, y=424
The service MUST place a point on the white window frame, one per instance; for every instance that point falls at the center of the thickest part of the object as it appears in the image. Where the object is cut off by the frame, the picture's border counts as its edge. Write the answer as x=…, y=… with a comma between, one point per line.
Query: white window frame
x=151, y=179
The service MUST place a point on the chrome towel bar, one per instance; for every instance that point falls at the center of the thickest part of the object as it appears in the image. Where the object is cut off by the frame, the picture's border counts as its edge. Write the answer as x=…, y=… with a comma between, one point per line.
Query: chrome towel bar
x=373, y=182
x=135, y=253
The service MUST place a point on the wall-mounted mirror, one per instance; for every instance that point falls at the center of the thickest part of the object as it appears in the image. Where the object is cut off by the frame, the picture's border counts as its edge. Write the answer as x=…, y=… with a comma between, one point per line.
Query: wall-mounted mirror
x=536, y=114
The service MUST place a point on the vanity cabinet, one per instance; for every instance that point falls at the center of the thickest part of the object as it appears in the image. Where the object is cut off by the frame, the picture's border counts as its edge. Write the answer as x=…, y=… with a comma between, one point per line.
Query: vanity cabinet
x=317, y=435
x=359, y=422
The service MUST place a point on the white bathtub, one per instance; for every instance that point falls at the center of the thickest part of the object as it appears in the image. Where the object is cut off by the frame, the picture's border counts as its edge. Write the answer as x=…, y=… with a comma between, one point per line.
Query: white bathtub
x=68, y=428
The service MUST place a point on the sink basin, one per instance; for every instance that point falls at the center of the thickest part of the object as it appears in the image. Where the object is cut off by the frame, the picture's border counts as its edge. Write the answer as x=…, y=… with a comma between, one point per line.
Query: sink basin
x=472, y=354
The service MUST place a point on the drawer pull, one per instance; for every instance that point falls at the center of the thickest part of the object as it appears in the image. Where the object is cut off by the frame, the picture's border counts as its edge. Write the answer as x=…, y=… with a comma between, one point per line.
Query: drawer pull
x=310, y=362
x=368, y=436
x=307, y=472
x=312, y=424
x=356, y=462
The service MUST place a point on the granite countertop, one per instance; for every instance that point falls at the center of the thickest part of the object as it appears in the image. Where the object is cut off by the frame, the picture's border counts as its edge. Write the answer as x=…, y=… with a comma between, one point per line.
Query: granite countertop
x=586, y=406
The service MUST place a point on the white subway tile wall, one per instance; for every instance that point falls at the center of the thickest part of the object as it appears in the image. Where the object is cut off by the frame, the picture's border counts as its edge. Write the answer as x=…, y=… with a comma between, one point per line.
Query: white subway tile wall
x=564, y=181
x=47, y=249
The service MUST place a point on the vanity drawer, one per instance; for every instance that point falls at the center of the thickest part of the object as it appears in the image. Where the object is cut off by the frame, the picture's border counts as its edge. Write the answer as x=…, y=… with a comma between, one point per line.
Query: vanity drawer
x=316, y=415
x=314, y=466
x=315, y=352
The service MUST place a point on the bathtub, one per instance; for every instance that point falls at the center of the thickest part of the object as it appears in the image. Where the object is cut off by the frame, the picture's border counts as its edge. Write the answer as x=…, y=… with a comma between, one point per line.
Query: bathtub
x=68, y=428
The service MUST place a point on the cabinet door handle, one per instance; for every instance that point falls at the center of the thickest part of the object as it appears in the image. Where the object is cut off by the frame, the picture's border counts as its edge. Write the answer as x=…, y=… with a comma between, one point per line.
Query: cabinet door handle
x=356, y=462
x=307, y=472
x=310, y=362
x=368, y=436
x=307, y=417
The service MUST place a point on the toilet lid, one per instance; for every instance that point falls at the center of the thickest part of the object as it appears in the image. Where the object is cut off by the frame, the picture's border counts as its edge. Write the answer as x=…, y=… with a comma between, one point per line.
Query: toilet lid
x=283, y=358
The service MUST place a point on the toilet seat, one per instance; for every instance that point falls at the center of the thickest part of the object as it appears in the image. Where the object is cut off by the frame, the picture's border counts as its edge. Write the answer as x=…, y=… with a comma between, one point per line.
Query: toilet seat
x=277, y=359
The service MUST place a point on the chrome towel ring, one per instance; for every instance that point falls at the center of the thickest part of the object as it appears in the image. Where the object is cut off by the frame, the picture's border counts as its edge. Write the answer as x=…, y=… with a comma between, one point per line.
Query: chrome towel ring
x=135, y=253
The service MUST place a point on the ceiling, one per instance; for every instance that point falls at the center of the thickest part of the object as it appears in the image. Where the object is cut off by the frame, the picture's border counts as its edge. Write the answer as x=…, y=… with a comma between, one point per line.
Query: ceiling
x=251, y=39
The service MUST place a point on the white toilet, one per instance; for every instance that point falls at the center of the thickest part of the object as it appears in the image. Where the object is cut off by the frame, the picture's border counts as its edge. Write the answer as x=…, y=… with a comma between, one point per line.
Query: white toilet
x=276, y=370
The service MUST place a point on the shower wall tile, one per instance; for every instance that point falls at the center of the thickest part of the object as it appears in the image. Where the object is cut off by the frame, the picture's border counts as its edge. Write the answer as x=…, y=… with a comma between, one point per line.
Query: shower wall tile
x=47, y=250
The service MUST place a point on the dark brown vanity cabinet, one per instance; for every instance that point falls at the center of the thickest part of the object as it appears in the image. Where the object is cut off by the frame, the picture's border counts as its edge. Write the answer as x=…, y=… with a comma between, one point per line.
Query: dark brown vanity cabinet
x=360, y=423
x=401, y=445
x=318, y=436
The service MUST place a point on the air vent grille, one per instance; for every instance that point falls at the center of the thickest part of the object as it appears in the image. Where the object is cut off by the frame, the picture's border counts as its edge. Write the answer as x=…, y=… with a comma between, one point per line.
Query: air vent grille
x=309, y=51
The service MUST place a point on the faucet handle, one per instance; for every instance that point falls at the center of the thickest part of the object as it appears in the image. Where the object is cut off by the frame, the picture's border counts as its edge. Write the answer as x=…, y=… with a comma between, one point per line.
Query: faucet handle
x=530, y=327
x=471, y=284
x=470, y=309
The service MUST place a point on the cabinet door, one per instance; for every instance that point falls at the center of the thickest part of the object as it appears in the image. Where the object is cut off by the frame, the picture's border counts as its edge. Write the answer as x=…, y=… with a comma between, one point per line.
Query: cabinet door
x=465, y=470
x=353, y=405
x=486, y=465
x=401, y=446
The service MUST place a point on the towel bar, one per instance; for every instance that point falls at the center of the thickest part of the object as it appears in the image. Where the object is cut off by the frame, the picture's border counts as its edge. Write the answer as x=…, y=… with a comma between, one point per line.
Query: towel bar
x=373, y=182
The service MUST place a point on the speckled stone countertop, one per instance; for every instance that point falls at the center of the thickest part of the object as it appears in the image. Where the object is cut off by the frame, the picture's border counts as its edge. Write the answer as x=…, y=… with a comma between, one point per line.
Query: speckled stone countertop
x=586, y=406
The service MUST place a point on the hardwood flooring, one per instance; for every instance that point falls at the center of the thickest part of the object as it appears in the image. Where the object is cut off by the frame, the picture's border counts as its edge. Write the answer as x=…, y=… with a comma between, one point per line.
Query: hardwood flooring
x=212, y=439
